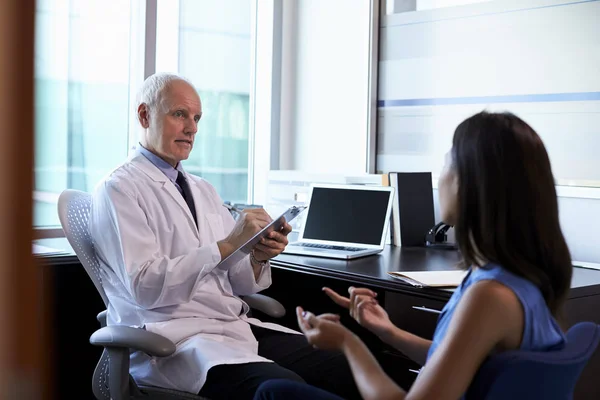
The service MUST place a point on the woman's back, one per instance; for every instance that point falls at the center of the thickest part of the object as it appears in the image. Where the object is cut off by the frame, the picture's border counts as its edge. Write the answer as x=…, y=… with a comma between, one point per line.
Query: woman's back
x=541, y=331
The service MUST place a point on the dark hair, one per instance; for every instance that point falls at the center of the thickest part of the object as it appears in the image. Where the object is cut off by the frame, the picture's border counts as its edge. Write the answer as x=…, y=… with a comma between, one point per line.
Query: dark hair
x=508, y=209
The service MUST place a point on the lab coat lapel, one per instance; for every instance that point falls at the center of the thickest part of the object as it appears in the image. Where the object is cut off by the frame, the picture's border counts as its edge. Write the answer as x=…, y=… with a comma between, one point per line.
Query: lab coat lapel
x=172, y=190
x=195, y=190
x=155, y=174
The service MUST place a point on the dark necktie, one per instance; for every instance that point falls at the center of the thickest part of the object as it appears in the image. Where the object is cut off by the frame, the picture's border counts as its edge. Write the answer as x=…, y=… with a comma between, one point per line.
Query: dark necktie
x=187, y=194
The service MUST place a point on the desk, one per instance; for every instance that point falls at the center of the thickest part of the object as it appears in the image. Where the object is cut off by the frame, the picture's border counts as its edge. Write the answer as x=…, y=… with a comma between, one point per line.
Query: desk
x=297, y=280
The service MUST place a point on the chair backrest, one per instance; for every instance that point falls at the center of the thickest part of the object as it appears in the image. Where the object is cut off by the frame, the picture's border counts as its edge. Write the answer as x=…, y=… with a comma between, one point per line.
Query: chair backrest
x=74, y=214
x=534, y=374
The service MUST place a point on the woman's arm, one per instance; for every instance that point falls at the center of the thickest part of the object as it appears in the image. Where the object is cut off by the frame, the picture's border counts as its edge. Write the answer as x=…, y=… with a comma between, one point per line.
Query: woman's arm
x=371, y=380
x=413, y=346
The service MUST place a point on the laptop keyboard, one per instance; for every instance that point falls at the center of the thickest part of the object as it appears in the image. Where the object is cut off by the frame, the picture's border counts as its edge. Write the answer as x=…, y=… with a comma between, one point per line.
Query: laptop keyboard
x=329, y=247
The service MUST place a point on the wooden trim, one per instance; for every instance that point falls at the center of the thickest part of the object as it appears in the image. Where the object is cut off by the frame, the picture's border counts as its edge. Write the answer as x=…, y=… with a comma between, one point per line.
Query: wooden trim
x=23, y=370
x=48, y=233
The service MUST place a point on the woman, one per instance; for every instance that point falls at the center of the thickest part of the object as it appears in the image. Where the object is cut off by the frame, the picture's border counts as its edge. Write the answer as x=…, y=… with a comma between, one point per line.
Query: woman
x=497, y=190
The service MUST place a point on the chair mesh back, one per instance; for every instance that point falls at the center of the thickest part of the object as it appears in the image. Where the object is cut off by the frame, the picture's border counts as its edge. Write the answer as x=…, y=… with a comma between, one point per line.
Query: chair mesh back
x=74, y=214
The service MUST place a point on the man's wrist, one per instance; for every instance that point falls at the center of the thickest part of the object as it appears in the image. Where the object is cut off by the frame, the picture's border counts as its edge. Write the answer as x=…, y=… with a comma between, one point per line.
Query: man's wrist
x=225, y=248
x=256, y=261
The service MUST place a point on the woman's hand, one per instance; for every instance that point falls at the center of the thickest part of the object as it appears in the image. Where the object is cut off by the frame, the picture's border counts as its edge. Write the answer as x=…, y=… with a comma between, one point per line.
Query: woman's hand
x=364, y=308
x=323, y=331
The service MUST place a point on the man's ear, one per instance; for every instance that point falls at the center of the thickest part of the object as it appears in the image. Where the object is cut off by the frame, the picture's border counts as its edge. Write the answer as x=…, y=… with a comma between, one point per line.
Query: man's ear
x=143, y=113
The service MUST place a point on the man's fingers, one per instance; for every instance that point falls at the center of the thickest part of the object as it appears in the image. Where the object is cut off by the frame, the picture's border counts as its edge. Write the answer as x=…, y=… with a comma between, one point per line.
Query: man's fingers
x=277, y=237
x=258, y=214
x=275, y=249
x=269, y=251
x=337, y=299
x=271, y=244
x=286, y=229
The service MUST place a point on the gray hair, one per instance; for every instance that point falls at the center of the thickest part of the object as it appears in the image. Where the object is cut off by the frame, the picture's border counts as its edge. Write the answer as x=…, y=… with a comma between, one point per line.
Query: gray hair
x=153, y=88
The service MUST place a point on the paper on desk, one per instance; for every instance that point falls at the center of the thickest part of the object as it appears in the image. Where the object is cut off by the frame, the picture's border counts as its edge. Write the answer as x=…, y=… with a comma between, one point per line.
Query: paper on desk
x=431, y=278
x=39, y=250
x=583, y=264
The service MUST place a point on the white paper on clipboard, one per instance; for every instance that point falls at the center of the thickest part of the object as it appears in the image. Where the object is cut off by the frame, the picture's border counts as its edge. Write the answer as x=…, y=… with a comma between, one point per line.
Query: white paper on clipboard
x=247, y=247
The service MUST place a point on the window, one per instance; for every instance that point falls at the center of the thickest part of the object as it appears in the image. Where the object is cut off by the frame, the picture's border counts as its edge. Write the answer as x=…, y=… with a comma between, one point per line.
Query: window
x=214, y=51
x=91, y=58
x=82, y=90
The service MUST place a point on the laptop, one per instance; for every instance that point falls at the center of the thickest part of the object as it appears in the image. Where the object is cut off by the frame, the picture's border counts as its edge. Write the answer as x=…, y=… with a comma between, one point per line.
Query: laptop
x=344, y=221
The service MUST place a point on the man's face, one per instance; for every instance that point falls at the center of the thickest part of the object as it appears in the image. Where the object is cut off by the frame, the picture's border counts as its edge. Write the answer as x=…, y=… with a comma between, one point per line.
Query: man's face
x=173, y=125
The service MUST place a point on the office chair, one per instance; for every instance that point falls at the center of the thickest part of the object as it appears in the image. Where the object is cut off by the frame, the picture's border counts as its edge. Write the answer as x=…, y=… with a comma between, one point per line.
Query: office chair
x=549, y=375
x=111, y=378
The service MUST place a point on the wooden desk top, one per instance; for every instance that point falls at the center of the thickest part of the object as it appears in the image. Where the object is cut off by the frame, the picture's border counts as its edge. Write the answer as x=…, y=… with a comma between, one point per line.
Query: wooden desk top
x=371, y=270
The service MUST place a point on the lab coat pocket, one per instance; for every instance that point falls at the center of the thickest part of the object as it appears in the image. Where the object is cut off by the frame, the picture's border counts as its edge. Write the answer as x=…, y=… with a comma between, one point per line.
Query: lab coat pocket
x=215, y=226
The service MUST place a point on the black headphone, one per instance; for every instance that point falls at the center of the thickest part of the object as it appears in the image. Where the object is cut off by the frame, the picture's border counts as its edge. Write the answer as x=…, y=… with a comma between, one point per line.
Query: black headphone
x=437, y=237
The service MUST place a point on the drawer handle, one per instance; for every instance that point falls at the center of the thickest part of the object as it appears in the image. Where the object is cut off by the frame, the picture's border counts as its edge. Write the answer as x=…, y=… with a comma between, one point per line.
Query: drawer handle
x=426, y=309
x=414, y=371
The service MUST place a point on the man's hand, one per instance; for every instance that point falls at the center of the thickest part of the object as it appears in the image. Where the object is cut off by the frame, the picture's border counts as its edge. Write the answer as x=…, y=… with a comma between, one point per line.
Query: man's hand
x=273, y=244
x=250, y=222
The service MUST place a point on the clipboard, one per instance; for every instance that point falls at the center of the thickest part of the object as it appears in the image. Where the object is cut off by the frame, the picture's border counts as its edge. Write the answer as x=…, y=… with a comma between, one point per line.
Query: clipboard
x=247, y=247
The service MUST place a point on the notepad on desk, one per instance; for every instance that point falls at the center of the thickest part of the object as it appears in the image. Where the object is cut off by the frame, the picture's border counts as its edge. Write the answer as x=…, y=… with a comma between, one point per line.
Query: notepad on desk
x=451, y=278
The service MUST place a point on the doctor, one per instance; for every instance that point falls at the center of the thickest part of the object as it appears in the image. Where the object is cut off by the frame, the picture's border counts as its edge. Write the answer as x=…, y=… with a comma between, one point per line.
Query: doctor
x=159, y=234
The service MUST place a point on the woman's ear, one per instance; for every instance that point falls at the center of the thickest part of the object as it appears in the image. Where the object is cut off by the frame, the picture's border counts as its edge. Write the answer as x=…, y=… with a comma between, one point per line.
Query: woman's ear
x=454, y=184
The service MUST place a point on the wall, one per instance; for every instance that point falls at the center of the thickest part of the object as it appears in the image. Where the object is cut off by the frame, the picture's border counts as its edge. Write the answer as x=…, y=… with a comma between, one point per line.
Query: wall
x=536, y=58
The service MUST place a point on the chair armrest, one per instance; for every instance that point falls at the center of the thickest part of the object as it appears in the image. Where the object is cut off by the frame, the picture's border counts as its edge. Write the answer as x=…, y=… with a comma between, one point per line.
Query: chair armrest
x=134, y=339
x=265, y=304
x=101, y=317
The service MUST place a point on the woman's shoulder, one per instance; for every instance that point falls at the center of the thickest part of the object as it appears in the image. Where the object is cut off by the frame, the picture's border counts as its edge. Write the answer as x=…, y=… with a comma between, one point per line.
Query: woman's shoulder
x=495, y=272
x=527, y=292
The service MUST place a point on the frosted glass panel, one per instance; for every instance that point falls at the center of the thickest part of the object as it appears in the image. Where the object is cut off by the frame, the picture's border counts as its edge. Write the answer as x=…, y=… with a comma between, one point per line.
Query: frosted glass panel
x=537, y=59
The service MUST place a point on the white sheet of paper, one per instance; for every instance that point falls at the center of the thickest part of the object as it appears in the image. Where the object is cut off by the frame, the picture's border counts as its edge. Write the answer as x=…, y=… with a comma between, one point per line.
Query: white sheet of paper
x=431, y=278
x=583, y=264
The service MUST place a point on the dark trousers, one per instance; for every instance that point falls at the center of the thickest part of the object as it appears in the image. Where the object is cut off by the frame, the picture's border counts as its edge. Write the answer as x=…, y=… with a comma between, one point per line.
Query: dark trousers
x=283, y=389
x=294, y=359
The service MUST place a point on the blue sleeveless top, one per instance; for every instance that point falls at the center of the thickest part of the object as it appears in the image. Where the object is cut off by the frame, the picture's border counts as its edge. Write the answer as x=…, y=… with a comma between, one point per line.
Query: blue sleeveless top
x=541, y=331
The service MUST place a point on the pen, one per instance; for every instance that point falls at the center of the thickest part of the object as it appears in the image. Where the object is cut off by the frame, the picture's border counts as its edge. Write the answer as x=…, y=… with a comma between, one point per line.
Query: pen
x=232, y=208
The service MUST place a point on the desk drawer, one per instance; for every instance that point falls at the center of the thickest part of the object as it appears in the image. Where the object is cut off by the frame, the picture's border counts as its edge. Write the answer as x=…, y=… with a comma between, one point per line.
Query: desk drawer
x=414, y=314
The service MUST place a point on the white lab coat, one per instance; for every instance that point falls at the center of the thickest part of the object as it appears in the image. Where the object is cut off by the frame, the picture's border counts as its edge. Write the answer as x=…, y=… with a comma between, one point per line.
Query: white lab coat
x=159, y=272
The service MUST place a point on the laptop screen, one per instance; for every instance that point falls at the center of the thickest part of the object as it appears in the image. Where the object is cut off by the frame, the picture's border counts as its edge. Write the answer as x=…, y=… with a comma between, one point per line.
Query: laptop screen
x=347, y=215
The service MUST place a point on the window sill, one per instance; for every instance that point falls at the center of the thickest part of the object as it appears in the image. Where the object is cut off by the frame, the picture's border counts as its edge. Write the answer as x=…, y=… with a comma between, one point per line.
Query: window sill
x=47, y=232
